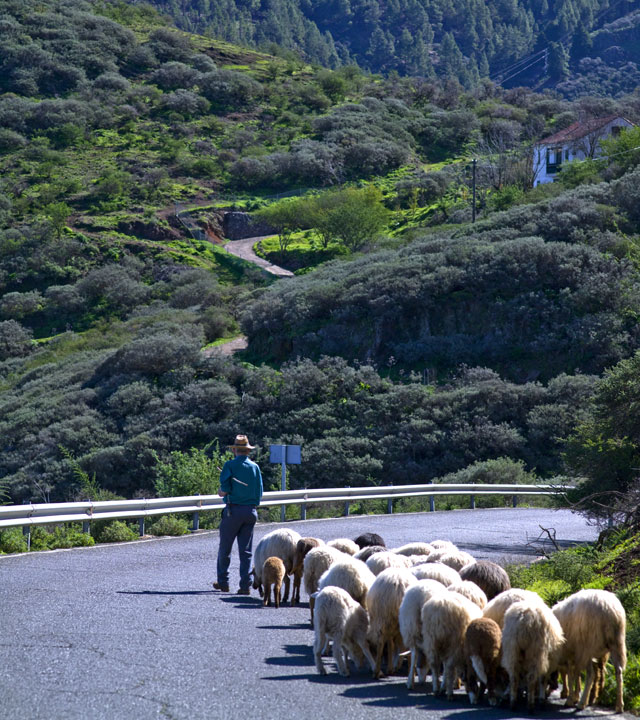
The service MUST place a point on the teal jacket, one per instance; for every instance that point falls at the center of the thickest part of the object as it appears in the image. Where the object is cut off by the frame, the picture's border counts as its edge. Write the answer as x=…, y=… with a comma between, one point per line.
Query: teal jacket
x=242, y=480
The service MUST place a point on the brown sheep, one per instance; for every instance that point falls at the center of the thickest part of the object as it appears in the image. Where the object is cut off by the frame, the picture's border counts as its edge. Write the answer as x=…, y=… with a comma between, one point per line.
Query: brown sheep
x=303, y=546
x=482, y=645
x=273, y=573
x=487, y=575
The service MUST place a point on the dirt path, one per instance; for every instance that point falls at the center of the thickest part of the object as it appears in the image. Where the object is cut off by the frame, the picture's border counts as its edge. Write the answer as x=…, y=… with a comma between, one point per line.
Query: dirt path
x=226, y=349
x=244, y=249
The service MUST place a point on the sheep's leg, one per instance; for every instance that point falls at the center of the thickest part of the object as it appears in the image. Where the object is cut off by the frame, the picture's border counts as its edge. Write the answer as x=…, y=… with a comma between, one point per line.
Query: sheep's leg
x=449, y=677
x=339, y=657
x=390, y=654
x=618, y=660
x=434, y=664
x=588, y=684
x=276, y=594
x=287, y=582
x=318, y=644
x=312, y=604
x=364, y=646
x=297, y=578
x=565, y=685
x=513, y=690
x=267, y=595
x=412, y=668
x=377, y=671
x=422, y=665
x=531, y=693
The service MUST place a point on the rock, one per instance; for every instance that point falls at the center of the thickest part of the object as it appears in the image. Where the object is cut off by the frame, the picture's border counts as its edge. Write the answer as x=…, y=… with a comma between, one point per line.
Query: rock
x=240, y=225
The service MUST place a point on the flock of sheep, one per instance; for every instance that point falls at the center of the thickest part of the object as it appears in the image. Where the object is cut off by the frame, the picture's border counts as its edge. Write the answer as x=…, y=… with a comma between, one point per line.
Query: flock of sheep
x=448, y=614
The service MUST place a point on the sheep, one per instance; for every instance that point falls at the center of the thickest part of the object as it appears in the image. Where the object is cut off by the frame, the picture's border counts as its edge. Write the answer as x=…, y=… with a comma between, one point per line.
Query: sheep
x=532, y=641
x=344, y=545
x=350, y=575
x=383, y=603
x=278, y=543
x=341, y=619
x=303, y=546
x=273, y=573
x=316, y=562
x=436, y=571
x=369, y=550
x=482, y=647
x=471, y=591
x=410, y=624
x=415, y=548
x=445, y=618
x=368, y=540
x=487, y=575
x=457, y=560
x=442, y=545
x=594, y=624
x=383, y=560
x=497, y=607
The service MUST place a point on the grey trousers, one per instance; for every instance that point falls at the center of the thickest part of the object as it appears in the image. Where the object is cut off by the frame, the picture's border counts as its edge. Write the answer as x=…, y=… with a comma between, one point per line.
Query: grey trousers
x=237, y=523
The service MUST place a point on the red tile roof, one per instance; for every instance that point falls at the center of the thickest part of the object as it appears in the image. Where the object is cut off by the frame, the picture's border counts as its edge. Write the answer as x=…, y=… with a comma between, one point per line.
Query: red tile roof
x=578, y=130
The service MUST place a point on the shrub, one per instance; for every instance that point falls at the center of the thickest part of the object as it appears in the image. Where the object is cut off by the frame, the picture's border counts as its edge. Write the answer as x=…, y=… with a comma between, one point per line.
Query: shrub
x=13, y=541
x=116, y=531
x=169, y=525
x=15, y=340
x=190, y=473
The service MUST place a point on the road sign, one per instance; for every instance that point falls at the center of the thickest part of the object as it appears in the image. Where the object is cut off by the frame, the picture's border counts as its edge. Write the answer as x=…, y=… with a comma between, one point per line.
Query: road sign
x=285, y=454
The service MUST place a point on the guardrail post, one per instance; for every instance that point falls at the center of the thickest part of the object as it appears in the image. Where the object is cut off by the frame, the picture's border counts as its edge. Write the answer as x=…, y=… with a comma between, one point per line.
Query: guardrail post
x=346, y=506
x=26, y=530
x=141, y=526
x=196, y=520
x=432, y=504
x=473, y=502
x=389, y=506
x=514, y=500
x=303, y=511
x=86, y=527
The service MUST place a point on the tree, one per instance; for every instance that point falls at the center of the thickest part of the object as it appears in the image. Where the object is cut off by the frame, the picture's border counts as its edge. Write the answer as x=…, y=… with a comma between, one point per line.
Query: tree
x=558, y=65
x=356, y=216
x=284, y=217
x=58, y=213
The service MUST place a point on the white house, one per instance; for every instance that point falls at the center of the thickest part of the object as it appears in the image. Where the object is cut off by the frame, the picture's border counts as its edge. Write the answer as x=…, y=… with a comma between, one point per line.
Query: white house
x=576, y=142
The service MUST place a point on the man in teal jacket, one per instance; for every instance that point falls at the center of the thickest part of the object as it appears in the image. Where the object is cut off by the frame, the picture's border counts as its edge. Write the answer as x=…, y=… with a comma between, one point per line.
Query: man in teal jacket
x=241, y=486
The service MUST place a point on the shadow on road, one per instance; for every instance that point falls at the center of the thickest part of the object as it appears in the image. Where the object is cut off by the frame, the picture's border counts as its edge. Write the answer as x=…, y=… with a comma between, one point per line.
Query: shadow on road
x=165, y=592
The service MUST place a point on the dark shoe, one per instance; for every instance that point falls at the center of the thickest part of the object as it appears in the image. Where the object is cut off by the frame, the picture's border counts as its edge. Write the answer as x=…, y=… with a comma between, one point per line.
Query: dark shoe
x=219, y=586
x=243, y=592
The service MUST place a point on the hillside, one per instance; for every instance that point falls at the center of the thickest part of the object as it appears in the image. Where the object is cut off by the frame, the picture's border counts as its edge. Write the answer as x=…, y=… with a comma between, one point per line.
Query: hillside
x=574, y=45
x=424, y=347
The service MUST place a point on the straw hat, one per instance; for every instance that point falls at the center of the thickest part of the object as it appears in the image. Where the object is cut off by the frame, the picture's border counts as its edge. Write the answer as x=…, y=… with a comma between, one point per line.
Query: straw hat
x=242, y=443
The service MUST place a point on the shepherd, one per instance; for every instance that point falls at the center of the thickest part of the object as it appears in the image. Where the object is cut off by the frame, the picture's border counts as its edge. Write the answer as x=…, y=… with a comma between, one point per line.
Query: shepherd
x=241, y=487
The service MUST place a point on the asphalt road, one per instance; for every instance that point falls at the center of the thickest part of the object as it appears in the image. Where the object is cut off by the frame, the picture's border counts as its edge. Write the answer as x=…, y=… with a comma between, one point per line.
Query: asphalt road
x=135, y=630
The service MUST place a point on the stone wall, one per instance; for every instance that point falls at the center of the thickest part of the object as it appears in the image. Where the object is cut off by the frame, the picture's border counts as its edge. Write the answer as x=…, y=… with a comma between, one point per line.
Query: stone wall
x=239, y=225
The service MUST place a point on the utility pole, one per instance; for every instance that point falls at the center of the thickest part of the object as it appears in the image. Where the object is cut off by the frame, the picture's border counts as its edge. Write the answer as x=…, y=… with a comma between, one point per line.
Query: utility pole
x=474, y=162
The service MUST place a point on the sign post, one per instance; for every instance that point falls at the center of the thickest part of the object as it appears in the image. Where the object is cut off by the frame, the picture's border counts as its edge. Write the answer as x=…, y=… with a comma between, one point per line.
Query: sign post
x=284, y=454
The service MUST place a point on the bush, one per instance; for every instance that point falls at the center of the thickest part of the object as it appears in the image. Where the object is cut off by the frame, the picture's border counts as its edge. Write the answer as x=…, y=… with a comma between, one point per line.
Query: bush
x=13, y=541
x=169, y=525
x=116, y=531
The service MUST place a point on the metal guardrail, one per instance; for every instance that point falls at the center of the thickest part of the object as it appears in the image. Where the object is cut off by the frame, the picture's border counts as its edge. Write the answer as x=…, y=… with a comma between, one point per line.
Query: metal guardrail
x=31, y=514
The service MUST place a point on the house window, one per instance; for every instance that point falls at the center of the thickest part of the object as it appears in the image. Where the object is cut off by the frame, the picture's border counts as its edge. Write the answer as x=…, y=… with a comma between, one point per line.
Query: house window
x=616, y=130
x=566, y=154
x=554, y=160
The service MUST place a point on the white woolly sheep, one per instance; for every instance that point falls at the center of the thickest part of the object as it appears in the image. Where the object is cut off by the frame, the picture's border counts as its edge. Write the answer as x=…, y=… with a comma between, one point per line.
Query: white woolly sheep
x=496, y=608
x=594, y=625
x=471, y=591
x=482, y=647
x=414, y=548
x=456, y=560
x=436, y=571
x=383, y=603
x=345, y=622
x=410, y=624
x=318, y=561
x=273, y=573
x=303, y=546
x=488, y=575
x=445, y=618
x=532, y=641
x=351, y=575
x=278, y=543
x=384, y=560
x=442, y=545
x=345, y=545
